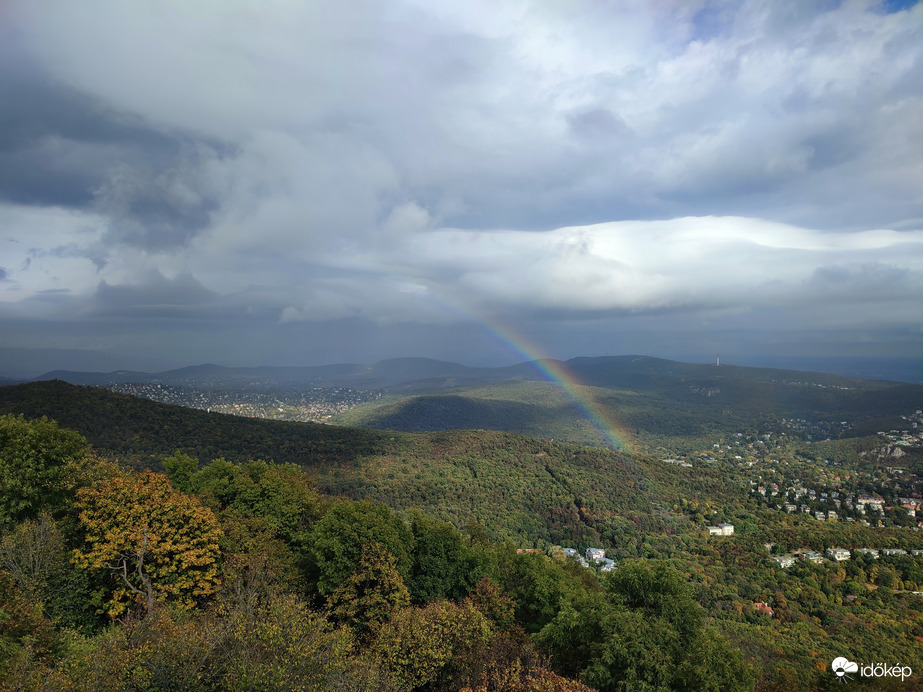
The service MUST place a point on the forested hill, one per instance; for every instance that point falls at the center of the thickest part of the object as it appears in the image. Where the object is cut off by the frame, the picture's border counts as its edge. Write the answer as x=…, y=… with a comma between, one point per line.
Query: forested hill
x=655, y=402
x=518, y=487
x=138, y=428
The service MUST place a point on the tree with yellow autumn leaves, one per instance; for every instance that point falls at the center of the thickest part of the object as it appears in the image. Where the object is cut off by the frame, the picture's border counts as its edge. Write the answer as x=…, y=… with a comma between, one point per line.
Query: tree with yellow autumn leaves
x=158, y=543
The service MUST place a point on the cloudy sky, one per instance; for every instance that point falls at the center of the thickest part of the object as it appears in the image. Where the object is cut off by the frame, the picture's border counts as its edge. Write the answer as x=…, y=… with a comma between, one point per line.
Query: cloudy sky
x=289, y=182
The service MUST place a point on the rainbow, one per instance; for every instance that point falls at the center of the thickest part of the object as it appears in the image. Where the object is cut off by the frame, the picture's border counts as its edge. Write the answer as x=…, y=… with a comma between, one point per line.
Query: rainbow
x=611, y=432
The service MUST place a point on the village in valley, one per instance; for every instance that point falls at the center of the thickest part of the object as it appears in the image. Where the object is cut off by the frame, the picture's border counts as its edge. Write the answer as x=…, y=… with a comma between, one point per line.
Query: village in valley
x=267, y=400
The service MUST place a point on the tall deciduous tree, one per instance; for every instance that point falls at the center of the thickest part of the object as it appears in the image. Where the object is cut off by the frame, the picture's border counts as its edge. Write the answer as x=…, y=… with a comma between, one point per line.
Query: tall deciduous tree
x=418, y=644
x=41, y=466
x=441, y=563
x=339, y=538
x=159, y=543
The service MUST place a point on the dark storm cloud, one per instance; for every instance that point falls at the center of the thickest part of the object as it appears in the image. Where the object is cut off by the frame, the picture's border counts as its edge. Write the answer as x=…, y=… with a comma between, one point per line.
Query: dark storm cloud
x=154, y=289
x=51, y=142
x=152, y=301
x=63, y=147
x=156, y=208
x=56, y=143
x=865, y=282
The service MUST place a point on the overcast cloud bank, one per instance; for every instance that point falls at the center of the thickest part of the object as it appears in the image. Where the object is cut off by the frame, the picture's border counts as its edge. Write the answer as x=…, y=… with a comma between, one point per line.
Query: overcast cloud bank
x=286, y=182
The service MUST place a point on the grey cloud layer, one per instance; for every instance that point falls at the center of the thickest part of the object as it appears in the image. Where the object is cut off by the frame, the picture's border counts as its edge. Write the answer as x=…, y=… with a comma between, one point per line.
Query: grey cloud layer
x=301, y=163
x=533, y=117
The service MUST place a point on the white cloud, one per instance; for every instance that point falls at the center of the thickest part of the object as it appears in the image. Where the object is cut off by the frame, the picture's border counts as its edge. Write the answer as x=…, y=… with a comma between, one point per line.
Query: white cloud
x=638, y=266
x=694, y=265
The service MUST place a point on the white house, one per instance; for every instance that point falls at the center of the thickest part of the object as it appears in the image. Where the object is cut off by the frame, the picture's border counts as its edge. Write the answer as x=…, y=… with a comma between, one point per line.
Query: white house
x=873, y=501
x=784, y=561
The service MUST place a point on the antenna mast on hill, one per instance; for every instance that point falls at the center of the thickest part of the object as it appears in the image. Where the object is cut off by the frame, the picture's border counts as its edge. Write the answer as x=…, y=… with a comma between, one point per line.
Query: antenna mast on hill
x=717, y=359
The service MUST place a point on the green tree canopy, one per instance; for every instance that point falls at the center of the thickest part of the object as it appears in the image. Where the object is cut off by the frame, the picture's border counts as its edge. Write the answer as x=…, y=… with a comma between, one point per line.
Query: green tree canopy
x=645, y=633
x=442, y=565
x=41, y=466
x=418, y=645
x=339, y=538
x=282, y=494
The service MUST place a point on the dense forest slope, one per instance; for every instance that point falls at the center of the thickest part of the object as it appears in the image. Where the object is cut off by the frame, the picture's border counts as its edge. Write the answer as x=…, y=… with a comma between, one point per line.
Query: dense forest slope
x=243, y=577
x=517, y=487
x=268, y=579
x=137, y=428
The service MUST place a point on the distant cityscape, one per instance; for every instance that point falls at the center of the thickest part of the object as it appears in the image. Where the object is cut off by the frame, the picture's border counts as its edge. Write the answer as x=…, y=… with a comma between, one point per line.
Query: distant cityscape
x=311, y=405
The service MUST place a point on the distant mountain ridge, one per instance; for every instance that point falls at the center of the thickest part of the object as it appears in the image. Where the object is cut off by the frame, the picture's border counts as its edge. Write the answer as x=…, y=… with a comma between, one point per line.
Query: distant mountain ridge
x=608, y=371
x=332, y=375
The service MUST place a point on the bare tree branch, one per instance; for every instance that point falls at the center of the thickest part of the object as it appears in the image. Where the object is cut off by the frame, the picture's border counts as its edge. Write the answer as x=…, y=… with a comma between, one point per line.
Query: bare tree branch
x=122, y=566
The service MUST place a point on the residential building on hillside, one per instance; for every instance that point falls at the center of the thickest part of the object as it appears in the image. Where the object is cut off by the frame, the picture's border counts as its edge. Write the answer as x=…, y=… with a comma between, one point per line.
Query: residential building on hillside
x=871, y=501
x=871, y=552
x=784, y=561
x=721, y=530
x=762, y=607
x=595, y=554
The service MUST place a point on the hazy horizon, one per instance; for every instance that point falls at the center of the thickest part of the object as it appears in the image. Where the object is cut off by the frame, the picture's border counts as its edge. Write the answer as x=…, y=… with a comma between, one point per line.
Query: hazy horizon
x=908, y=370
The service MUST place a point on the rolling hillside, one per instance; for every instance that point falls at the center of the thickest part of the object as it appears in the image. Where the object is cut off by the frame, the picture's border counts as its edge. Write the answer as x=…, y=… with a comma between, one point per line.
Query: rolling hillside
x=652, y=401
x=518, y=487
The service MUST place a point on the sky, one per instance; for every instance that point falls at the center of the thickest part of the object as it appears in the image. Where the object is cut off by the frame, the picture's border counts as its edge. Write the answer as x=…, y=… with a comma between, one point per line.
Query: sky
x=290, y=182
